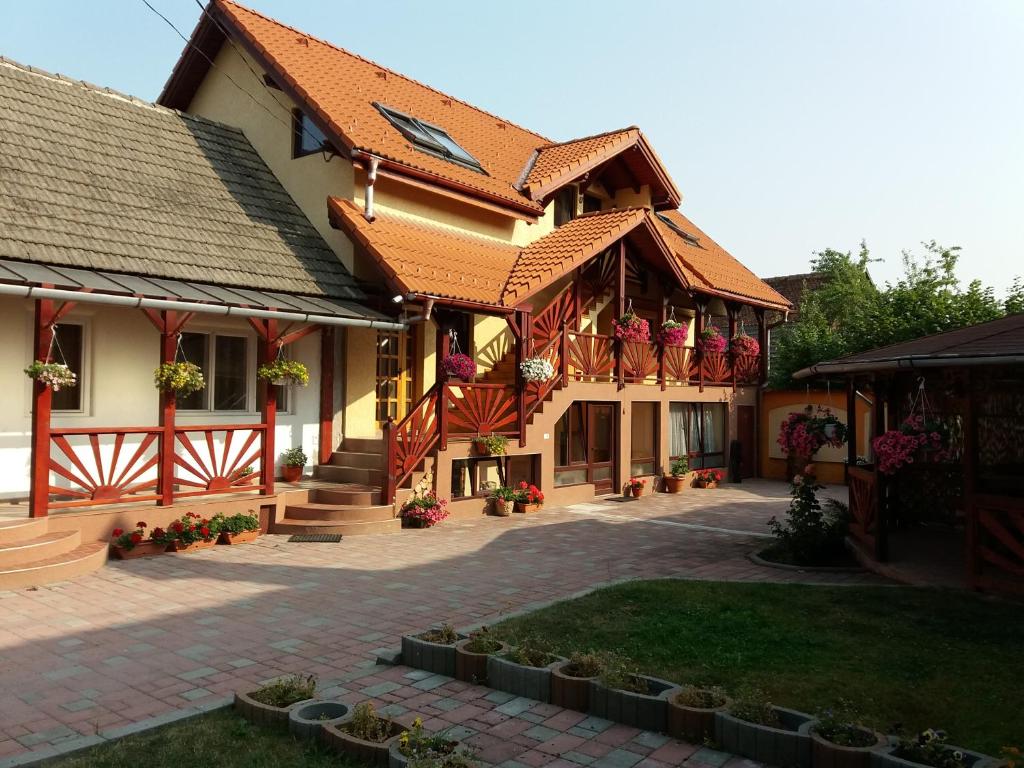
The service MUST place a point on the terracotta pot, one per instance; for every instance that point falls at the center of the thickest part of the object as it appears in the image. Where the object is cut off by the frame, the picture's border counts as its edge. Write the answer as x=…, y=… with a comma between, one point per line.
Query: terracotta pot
x=479, y=449
x=570, y=692
x=707, y=483
x=675, y=484
x=527, y=508
x=142, y=549
x=371, y=752
x=226, y=537
x=825, y=754
x=693, y=724
x=472, y=667
x=180, y=546
x=628, y=492
x=291, y=474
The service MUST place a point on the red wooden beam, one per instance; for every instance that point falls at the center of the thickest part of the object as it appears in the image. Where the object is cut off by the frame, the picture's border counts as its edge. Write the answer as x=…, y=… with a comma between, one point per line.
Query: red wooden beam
x=267, y=330
x=326, y=393
x=443, y=346
x=620, y=287
x=169, y=323
x=524, y=336
x=42, y=402
x=293, y=336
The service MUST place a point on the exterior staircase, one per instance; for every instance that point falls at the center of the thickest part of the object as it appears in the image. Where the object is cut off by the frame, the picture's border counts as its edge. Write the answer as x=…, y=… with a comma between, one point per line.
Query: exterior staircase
x=31, y=554
x=352, y=504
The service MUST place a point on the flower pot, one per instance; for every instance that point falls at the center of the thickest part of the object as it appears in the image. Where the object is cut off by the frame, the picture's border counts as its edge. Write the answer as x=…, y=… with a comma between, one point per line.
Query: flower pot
x=628, y=492
x=519, y=679
x=886, y=757
x=787, y=745
x=693, y=724
x=142, y=549
x=502, y=508
x=706, y=483
x=825, y=754
x=646, y=711
x=307, y=718
x=291, y=474
x=479, y=449
x=397, y=760
x=263, y=714
x=674, y=484
x=370, y=752
x=226, y=537
x=526, y=509
x=432, y=657
x=472, y=667
x=180, y=546
x=570, y=692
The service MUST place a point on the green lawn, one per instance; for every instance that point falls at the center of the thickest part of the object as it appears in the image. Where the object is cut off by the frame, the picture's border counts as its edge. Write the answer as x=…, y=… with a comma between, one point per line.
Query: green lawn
x=220, y=739
x=920, y=657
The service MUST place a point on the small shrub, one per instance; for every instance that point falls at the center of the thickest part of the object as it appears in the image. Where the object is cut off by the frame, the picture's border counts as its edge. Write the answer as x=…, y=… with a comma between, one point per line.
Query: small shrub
x=811, y=535
x=929, y=748
x=444, y=635
x=700, y=698
x=482, y=641
x=367, y=725
x=417, y=744
x=679, y=466
x=294, y=457
x=841, y=725
x=622, y=676
x=531, y=652
x=239, y=523
x=584, y=664
x=286, y=691
x=754, y=707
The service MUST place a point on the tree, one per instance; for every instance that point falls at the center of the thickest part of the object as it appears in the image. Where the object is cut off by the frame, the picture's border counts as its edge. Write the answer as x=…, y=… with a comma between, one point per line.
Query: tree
x=1015, y=298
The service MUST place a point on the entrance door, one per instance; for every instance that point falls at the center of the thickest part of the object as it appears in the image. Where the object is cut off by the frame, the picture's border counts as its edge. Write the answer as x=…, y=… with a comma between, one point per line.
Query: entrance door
x=395, y=374
x=585, y=446
x=746, y=434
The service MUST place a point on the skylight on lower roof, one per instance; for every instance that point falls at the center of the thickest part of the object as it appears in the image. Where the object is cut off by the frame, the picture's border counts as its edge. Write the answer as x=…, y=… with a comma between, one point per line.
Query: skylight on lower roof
x=430, y=138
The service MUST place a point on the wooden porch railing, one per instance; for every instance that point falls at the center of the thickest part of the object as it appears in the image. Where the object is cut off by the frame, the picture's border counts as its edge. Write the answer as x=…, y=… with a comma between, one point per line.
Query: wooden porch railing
x=481, y=409
x=213, y=462
x=589, y=357
x=864, y=506
x=995, y=543
x=408, y=441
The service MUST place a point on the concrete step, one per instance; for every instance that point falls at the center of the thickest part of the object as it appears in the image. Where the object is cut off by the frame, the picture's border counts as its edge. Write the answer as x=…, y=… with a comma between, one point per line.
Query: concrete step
x=354, y=494
x=84, y=559
x=291, y=527
x=42, y=547
x=312, y=511
x=357, y=459
x=363, y=444
x=342, y=474
x=22, y=529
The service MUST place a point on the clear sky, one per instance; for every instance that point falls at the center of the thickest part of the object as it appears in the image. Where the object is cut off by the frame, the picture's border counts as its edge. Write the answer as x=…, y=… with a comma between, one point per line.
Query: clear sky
x=789, y=126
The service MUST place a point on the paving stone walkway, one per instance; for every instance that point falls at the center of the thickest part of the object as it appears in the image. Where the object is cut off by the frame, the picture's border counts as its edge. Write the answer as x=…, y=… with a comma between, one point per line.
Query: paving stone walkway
x=141, y=641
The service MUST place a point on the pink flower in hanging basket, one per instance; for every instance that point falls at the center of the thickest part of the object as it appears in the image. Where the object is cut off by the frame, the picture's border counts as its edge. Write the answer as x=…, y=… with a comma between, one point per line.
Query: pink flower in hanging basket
x=712, y=341
x=630, y=327
x=673, y=335
x=461, y=366
x=742, y=344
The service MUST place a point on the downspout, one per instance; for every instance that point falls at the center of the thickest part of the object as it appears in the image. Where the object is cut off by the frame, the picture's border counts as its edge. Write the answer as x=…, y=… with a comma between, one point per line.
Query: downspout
x=371, y=178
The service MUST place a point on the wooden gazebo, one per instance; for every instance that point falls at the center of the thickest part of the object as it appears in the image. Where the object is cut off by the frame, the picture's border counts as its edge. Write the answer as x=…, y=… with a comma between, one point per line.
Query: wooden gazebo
x=973, y=379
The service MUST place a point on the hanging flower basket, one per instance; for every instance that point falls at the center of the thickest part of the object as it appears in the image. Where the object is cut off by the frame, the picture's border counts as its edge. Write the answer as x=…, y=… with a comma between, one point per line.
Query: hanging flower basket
x=712, y=341
x=673, y=333
x=742, y=344
x=632, y=327
x=918, y=439
x=459, y=365
x=537, y=369
x=180, y=378
x=804, y=432
x=53, y=375
x=283, y=371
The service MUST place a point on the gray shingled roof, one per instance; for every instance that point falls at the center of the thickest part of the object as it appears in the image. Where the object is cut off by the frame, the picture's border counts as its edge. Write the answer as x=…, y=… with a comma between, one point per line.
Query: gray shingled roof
x=94, y=179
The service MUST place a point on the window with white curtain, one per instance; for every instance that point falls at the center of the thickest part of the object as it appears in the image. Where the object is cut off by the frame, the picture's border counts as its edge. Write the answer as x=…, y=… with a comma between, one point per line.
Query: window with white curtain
x=698, y=431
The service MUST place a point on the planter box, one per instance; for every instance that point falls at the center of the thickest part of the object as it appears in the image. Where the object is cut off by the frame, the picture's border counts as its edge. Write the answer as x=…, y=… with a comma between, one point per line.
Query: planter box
x=787, y=746
x=307, y=718
x=885, y=758
x=693, y=724
x=519, y=679
x=179, y=546
x=472, y=667
x=226, y=537
x=527, y=508
x=647, y=711
x=432, y=657
x=397, y=760
x=264, y=714
x=370, y=752
x=142, y=549
x=825, y=754
x=570, y=692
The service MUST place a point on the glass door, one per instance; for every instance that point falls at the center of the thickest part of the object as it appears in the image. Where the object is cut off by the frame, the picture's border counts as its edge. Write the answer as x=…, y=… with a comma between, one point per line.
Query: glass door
x=585, y=446
x=395, y=374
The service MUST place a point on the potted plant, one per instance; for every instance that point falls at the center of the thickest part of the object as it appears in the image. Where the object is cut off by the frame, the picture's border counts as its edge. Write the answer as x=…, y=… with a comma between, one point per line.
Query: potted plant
x=528, y=498
x=52, y=375
x=838, y=739
x=307, y=719
x=424, y=511
x=673, y=333
x=632, y=327
x=503, y=500
x=270, y=703
x=281, y=372
x=691, y=712
x=707, y=478
x=293, y=461
x=917, y=439
x=570, y=680
x=459, y=366
x=635, y=487
x=471, y=655
x=711, y=341
x=625, y=696
x=364, y=735
x=752, y=727
x=417, y=748
x=179, y=378
x=188, y=533
x=742, y=344
x=536, y=369
x=928, y=748
x=523, y=670
x=244, y=476
x=237, y=529
x=675, y=482
x=490, y=445
x=127, y=545
x=433, y=650
x=803, y=432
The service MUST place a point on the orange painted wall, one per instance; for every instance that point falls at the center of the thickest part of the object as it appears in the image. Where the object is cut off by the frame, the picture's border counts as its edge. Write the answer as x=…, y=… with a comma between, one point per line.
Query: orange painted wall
x=785, y=401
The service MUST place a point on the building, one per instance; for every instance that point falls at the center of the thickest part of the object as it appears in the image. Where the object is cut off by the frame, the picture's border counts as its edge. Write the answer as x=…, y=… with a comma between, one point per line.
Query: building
x=367, y=225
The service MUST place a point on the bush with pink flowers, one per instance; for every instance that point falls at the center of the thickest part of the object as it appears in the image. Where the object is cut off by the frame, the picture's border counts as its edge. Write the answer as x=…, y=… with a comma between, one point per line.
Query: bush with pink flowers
x=632, y=327
x=460, y=366
x=712, y=341
x=742, y=344
x=424, y=511
x=916, y=439
x=804, y=432
x=673, y=333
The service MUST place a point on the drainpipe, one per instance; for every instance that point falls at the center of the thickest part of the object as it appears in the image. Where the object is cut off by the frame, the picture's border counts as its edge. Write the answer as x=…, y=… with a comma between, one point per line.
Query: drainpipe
x=371, y=177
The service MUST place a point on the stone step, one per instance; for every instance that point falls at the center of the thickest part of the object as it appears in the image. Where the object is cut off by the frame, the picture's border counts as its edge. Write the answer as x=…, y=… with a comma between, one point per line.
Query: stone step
x=42, y=547
x=357, y=459
x=343, y=513
x=354, y=494
x=22, y=529
x=363, y=444
x=341, y=474
x=84, y=559
x=289, y=526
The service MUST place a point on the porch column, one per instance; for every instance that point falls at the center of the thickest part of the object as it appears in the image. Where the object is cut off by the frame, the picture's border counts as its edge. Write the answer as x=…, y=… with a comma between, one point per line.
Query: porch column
x=881, y=387
x=42, y=399
x=762, y=340
x=326, y=393
x=268, y=403
x=523, y=335
x=730, y=311
x=851, y=427
x=443, y=347
x=661, y=347
x=698, y=329
x=620, y=286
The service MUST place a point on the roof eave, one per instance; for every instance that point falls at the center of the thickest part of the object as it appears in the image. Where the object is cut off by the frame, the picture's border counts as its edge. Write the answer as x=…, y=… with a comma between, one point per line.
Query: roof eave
x=907, y=363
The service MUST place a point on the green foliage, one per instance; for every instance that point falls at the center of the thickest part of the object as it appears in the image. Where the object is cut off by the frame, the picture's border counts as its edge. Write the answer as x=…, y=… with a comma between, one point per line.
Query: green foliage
x=443, y=635
x=810, y=534
x=294, y=457
x=584, y=664
x=504, y=493
x=496, y=445
x=367, y=725
x=700, y=698
x=286, y=691
x=482, y=641
x=753, y=706
x=180, y=378
x=1014, y=303
x=239, y=523
x=679, y=466
x=622, y=674
x=929, y=748
x=290, y=371
x=531, y=651
x=841, y=724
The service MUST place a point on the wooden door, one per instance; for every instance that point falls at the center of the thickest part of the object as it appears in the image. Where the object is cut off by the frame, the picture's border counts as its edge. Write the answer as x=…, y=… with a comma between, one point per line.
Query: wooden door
x=395, y=374
x=601, y=445
x=746, y=434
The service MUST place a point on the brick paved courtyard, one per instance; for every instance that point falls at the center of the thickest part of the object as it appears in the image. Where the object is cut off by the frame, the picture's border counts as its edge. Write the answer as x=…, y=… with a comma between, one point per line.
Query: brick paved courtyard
x=145, y=639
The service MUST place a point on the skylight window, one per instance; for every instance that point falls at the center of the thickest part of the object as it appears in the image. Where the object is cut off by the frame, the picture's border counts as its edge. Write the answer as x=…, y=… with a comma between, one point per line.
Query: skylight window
x=430, y=138
x=675, y=228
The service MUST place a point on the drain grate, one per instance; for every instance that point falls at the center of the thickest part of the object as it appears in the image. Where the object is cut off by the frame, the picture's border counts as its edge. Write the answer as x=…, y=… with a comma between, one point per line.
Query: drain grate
x=315, y=538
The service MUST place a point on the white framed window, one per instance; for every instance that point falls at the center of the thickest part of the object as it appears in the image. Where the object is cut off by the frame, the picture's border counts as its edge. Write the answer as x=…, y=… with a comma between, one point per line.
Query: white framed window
x=224, y=360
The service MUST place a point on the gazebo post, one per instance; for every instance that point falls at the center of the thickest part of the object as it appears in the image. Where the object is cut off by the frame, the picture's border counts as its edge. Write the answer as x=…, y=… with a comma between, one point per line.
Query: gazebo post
x=851, y=427
x=882, y=392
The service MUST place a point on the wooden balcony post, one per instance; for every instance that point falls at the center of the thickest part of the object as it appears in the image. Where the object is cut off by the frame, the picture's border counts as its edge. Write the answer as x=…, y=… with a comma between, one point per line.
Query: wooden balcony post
x=390, y=471
x=762, y=340
x=662, y=373
x=563, y=361
x=326, y=393
x=730, y=310
x=168, y=412
x=268, y=404
x=698, y=329
x=620, y=287
x=851, y=426
x=42, y=399
x=443, y=347
x=523, y=340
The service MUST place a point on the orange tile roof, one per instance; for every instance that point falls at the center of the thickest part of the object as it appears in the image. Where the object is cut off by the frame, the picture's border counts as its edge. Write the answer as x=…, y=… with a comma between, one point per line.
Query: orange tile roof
x=713, y=268
x=342, y=87
x=427, y=258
